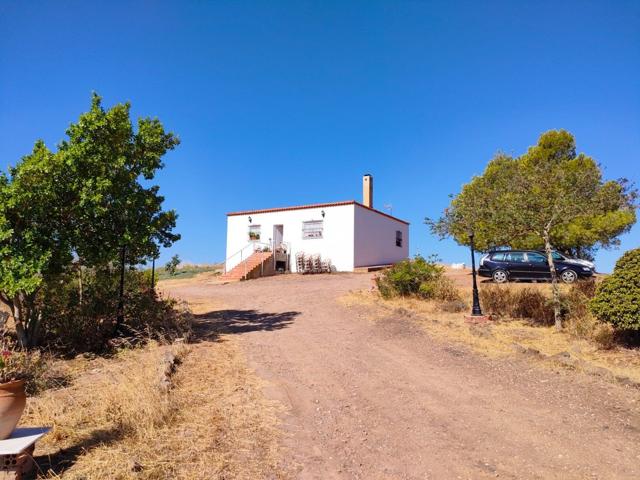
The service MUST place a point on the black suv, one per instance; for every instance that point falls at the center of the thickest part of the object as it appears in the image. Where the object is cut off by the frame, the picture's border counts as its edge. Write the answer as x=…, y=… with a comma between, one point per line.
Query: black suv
x=505, y=265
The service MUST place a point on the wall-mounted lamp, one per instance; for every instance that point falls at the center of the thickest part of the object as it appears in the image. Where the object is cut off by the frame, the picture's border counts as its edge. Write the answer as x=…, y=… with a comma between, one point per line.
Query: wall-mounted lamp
x=249, y=219
x=322, y=213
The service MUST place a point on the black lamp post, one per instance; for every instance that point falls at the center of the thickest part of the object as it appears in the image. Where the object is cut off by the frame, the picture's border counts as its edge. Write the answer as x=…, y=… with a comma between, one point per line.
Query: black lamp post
x=475, y=310
x=153, y=273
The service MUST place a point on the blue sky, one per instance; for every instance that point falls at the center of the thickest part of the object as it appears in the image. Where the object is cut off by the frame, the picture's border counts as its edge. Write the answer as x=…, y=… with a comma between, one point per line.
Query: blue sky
x=284, y=103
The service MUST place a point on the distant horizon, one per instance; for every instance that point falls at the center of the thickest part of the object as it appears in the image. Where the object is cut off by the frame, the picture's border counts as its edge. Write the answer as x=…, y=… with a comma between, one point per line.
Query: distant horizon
x=290, y=103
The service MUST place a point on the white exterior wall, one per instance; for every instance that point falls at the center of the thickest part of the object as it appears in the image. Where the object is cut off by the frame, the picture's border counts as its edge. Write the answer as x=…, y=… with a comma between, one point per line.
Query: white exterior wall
x=375, y=239
x=336, y=243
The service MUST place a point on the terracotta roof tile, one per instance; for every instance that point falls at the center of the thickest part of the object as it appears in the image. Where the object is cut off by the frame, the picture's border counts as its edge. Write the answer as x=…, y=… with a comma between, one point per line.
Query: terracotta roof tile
x=314, y=205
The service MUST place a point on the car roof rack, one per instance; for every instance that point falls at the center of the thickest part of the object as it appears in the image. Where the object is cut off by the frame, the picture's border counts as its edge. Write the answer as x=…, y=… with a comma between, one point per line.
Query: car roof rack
x=499, y=249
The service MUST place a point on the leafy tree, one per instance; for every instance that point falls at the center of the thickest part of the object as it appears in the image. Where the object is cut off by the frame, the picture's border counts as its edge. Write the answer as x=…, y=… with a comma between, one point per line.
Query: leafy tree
x=105, y=161
x=90, y=201
x=171, y=265
x=550, y=196
x=582, y=237
x=617, y=298
x=117, y=218
x=34, y=240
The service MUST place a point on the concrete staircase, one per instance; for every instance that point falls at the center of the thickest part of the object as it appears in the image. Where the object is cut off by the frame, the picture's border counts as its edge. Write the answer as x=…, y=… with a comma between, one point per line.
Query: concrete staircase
x=257, y=265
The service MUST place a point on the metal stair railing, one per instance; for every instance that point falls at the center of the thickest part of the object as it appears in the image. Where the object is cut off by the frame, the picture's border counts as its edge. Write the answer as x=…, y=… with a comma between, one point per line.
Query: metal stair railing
x=244, y=253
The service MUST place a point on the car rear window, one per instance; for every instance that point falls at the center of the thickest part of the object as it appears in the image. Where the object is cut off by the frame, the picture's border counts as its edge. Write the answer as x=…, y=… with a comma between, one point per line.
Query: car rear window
x=536, y=258
x=498, y=257
x=516, y=257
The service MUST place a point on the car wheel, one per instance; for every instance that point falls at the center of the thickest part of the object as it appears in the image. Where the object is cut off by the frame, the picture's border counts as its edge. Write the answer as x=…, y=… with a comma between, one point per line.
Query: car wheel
x=569, y=276
x=500, y=276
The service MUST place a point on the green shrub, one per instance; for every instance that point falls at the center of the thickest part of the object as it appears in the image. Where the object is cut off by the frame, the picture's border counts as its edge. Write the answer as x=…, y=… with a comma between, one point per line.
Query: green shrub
x=79, y=314
x=617, y=298
x=419, y=277
x=409, y=277
x=427, y=290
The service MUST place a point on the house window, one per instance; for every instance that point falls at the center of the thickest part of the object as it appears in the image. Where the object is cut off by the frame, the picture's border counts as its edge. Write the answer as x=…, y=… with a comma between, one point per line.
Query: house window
x=398, y=238
x=254, y=233
x=312, y=229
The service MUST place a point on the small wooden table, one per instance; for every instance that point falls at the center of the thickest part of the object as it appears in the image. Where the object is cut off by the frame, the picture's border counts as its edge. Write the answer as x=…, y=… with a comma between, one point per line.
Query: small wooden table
x=17, y=450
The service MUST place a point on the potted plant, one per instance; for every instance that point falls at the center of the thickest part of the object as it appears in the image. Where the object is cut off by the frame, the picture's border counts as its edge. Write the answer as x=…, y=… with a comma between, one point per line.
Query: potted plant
x=12, y=393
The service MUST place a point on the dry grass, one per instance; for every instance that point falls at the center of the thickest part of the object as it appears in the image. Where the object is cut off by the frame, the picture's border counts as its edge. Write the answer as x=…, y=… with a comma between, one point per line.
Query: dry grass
x=114, y=422
x=498, y=338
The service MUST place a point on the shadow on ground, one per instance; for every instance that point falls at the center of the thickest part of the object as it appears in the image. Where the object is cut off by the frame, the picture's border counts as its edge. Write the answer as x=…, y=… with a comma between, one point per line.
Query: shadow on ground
x=55, y=464
x=209, y=326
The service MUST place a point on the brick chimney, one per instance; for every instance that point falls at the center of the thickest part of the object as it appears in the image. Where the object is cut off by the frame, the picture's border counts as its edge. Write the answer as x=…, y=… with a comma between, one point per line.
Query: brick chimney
x=367, y=190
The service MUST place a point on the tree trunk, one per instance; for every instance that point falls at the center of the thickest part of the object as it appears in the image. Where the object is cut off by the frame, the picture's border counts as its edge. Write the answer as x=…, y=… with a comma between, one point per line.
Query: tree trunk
x=34, y=322
x=21, y=333
x=9, y=303
x=555, y=287
x=26, y=317
x=21, y=319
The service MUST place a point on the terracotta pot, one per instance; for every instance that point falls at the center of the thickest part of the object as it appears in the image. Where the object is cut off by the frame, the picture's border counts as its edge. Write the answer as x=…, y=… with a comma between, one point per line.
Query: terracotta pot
x=12, y=403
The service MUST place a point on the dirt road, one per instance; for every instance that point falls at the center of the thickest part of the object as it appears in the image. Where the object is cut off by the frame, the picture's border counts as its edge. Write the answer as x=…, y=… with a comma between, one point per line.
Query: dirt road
x=378, y=398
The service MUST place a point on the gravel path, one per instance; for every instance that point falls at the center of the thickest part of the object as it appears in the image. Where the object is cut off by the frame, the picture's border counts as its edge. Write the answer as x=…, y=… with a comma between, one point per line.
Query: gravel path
x=380, y=399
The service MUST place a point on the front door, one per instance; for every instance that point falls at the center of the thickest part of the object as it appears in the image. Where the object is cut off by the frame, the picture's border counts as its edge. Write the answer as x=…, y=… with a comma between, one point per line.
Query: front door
x=539, y=265
x=278, y=235
x=517, y=265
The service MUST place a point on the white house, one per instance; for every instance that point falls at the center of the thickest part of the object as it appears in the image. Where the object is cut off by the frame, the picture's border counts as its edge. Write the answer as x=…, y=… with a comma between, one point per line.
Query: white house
x=349, y=234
